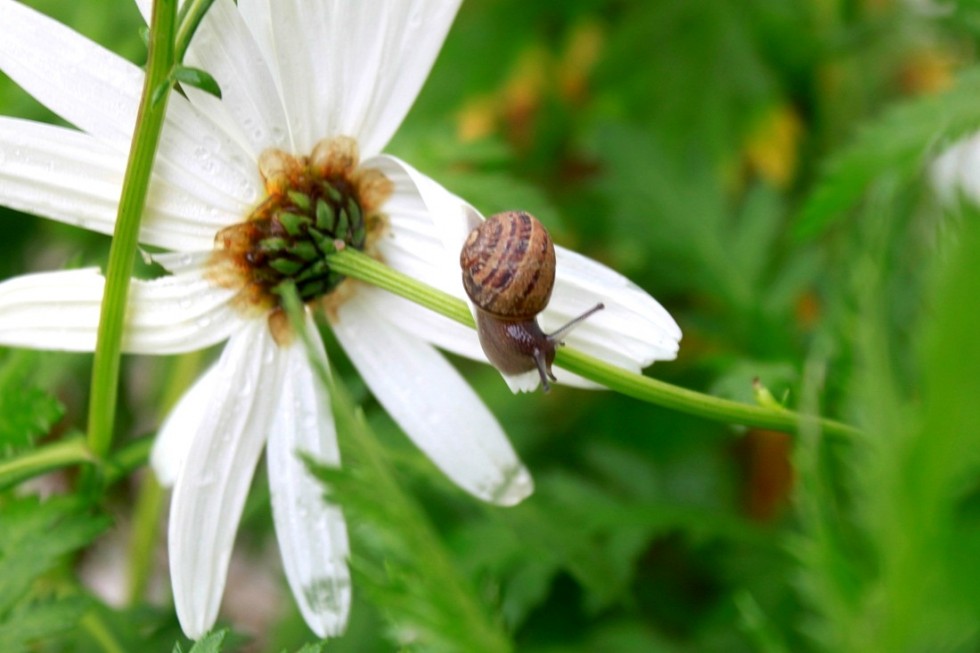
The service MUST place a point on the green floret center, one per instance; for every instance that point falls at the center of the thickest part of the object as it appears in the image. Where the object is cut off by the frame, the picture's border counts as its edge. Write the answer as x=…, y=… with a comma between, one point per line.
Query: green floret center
x=297, y=231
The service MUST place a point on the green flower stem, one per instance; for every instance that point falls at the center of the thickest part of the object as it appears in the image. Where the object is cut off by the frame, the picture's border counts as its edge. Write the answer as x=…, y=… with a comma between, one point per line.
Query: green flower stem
x=62, y=453
x=149, y=124
x=69, y=452
x=128, y=458
x=191, y=14
x=359, y=266
x=142, y=543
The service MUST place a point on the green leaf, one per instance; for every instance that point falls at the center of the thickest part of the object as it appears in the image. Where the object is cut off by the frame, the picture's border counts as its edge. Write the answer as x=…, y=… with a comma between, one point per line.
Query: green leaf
x=35, y=537
x=26, y=412
x=313, y=647
x=898, y=144
x=198, y=79
x=27, y=549
x=40, y=620
x=210, y=643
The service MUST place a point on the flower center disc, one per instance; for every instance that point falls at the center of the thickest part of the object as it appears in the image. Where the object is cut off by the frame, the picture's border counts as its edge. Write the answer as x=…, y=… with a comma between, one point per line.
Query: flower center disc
x=316, y=205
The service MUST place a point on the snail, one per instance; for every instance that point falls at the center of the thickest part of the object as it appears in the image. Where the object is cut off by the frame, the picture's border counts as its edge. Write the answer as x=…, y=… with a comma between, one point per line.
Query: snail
x=508, y=265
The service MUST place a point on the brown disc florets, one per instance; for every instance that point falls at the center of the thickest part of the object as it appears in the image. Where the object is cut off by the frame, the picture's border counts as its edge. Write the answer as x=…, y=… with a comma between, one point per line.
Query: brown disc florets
x=316, y=205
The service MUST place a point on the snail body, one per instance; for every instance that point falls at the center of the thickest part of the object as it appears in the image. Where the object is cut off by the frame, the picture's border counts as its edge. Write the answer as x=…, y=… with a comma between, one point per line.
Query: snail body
x=508, y=265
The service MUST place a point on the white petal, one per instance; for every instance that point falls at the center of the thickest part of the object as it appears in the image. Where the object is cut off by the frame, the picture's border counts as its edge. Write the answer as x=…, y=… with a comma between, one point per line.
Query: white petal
x=312, y=534
x=225, y=48
x=71, y=177
x=360, y=66
x=428, y=226
x=434, y=405
x=177, y=432
x=182, y=312
x=426, y=325
x=198, y=155
x=212, y=484
x=632, y=331
x=87, y=85
x=60, y=310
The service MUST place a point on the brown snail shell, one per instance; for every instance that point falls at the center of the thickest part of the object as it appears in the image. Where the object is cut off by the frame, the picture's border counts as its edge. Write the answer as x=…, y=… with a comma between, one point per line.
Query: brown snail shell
x=508, y=265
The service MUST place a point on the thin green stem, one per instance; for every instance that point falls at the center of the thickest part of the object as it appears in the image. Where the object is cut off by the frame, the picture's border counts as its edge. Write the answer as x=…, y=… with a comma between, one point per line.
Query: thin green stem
x=142, y=544
x=128, y=458
x=191, y=14
x=63, y=453
x=149, y=124
x=101, y=633
x=359, y=266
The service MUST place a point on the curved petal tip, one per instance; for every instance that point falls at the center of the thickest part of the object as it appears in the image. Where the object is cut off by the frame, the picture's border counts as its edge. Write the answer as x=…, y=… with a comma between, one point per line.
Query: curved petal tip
x=516, y=486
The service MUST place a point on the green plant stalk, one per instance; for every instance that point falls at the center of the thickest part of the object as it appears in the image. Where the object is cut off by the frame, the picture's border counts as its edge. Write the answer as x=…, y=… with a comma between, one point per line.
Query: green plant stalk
x=101, y=633
x=142, y=543
x=149, y=124
x=55, y=455
x=191, y=14
x=360, y=266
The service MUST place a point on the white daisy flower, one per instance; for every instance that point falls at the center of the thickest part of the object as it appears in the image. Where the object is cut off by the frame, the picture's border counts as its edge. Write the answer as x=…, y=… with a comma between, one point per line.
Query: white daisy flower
x=250, y=190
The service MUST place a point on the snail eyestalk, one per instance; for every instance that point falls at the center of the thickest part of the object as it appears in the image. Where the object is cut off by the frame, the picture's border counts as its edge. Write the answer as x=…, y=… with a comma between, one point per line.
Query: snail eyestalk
x=558, y=336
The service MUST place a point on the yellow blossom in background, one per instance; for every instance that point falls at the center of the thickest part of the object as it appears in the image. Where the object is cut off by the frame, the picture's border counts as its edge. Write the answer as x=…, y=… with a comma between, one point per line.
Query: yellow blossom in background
x=772, y=150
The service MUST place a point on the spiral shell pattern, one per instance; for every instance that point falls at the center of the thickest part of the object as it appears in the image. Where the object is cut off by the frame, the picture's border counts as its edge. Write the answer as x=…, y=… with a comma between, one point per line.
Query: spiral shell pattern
x=508, y=265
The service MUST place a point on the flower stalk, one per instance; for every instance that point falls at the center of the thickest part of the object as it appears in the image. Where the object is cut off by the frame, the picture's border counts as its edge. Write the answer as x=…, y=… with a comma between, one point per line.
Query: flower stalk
x=359, y=266
x=119, y=270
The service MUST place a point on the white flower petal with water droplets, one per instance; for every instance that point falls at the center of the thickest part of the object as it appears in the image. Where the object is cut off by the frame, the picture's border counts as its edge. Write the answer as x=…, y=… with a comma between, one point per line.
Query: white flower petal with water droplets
x=90, y=87
x=425, y=324
x=224, y=46
x=99, y=91
x=212, y=484
x=360, y=67
x=312, y=535
x=177, y=432
x=633, y=329
x=60, y=310
x=428, y=226
x=432, y=403
x=74, y=178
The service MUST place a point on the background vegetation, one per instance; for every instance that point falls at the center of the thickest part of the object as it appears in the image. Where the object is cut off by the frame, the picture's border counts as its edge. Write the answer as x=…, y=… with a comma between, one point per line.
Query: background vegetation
x=763, y=169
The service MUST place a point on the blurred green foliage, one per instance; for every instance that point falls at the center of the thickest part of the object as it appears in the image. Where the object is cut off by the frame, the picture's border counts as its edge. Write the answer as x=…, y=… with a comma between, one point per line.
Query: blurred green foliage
x=759, y=167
